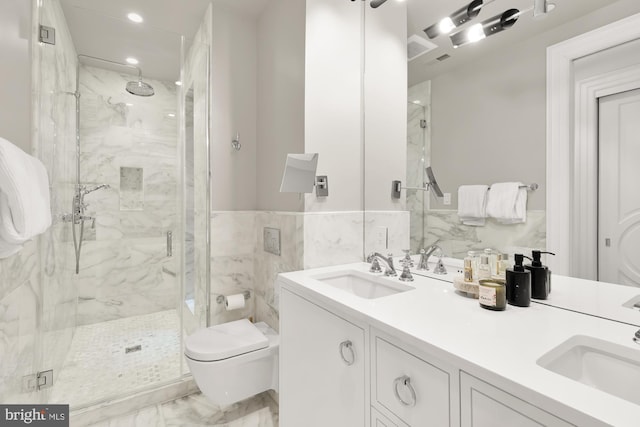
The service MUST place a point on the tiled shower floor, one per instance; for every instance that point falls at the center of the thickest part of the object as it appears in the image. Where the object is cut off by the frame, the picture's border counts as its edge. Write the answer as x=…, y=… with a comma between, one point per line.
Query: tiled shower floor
x=98, y=367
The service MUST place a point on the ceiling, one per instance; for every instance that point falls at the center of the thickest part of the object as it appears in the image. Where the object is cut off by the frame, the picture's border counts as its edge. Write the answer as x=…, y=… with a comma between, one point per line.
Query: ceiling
x=423, y=13
x=101, y=28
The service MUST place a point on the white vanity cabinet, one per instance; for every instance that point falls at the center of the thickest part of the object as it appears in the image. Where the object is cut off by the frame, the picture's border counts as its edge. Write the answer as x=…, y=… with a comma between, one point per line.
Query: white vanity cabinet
x=411, y=387
x=322, y=367
x=483, y=405
x=379, y=420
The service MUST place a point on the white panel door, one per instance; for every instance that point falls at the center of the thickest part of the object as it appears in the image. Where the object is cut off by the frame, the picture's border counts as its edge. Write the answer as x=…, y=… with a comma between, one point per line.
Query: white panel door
x=322, y=367
x=619, y=189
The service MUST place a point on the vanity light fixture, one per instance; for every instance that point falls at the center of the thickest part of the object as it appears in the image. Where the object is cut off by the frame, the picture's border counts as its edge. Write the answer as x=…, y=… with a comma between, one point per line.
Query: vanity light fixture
x=486, y=28
x=456, y=19
x=134, y=17
x=499, y=23
x=377, y=3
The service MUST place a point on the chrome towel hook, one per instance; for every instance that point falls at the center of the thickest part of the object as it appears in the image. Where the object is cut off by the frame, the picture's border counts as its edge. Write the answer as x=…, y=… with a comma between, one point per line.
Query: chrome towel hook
x=235, y=142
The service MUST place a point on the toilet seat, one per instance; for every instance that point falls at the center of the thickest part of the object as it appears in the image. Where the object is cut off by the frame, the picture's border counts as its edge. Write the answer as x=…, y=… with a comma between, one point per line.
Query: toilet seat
x=224, y=341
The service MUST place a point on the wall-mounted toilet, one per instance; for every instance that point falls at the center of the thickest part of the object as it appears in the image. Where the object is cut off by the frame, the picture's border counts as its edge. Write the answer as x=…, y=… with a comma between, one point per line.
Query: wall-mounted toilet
x=234, y=361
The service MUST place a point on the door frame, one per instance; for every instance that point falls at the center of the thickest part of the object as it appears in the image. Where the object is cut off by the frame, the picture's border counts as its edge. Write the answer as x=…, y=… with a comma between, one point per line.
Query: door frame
x=572, y=144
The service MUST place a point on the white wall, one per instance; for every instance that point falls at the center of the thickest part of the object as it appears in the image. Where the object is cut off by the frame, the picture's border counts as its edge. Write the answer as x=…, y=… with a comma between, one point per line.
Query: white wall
x=15, y=72
x=333, y=113
x=234, y=80
x=385, y=100
x=281, y=93
x=488, y=117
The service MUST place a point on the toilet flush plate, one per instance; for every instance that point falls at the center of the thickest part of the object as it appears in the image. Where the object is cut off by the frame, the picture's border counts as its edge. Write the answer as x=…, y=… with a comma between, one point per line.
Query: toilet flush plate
x=272, y=240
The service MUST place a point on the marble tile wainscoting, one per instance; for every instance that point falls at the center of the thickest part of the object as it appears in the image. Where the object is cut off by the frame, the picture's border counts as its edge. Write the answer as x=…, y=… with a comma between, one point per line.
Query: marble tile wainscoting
x=456, y=239
x=307, y=240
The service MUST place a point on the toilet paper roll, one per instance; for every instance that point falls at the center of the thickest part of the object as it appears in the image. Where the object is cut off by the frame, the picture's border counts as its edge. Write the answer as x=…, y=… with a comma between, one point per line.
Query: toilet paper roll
x=234, y=302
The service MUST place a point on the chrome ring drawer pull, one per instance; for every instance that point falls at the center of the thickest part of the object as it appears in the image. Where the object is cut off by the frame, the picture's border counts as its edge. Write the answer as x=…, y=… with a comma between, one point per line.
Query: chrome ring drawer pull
x=405, y=381
x=349, y=346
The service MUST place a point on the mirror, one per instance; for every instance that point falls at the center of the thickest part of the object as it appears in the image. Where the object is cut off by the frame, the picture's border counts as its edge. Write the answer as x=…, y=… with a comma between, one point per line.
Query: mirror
x=477, y=115
x=299, y=173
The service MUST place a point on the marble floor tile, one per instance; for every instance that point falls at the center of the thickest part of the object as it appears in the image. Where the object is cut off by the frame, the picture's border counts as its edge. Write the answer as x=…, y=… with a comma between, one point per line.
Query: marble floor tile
x=148, y=417
x=98, y=367
x=196, y=411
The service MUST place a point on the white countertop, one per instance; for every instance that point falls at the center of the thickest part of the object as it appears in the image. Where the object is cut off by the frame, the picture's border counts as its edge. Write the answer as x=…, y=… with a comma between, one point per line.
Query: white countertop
x=606, y=300
x=499, y=347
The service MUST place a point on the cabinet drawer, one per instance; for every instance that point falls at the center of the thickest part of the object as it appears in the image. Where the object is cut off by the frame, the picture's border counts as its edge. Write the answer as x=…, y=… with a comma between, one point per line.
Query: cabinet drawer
x=412, y=389
x=379, y=420
x=483, y=405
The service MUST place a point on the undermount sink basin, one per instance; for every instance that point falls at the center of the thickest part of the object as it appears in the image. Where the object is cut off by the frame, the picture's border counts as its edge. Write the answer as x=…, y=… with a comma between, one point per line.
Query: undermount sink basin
x=603, y=365
x=362, y=284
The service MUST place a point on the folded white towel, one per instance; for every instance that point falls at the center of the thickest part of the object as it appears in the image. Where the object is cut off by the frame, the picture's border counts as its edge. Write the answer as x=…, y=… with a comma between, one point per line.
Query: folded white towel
x=25, y=208
x=507, y=202
x=472, y=202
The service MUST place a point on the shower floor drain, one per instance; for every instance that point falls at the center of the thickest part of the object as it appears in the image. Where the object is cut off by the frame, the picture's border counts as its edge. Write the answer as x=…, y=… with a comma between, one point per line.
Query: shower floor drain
x=133, y=348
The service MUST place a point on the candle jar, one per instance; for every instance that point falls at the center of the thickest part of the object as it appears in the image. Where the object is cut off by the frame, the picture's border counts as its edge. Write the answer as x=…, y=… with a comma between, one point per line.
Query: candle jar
x=492, y=294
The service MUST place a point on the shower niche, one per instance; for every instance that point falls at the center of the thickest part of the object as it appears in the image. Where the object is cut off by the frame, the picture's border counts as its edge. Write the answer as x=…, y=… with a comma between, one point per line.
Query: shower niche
x=131, y=189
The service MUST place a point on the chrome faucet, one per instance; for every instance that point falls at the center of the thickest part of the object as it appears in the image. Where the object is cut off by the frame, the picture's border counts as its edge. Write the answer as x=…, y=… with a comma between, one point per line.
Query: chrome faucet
x=84, y=190
x=388, y=260
x=424, y=256
x=636, y=338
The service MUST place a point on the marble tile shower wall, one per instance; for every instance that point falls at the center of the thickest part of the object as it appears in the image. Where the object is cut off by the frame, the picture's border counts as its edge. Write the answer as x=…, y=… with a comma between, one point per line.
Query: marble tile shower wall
x=129, y=143
x=37, y=302
x=418, y=157
x=196, y=80
x=20, y=296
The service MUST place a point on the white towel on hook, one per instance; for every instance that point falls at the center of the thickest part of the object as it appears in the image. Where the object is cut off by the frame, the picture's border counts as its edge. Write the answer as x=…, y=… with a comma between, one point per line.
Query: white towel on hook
x=507, y=202
x=25, y=210
x=472, y=204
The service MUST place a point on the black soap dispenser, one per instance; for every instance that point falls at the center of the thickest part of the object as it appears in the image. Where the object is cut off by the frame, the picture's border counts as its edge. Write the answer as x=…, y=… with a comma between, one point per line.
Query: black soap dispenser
x=519, y=283
x=540, y=276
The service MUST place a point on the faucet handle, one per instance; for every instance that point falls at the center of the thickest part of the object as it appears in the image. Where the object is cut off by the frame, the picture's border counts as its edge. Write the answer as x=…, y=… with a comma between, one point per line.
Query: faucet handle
x=407, y=260
x=406, y=275
x=375, y=266
x=440, y=268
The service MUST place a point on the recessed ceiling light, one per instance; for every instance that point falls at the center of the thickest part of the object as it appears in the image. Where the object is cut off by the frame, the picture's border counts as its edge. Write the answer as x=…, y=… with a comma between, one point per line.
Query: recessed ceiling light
x=135, y=17
x=128, y=104
x=178, y=83
x=132, y=61
x=171, y=115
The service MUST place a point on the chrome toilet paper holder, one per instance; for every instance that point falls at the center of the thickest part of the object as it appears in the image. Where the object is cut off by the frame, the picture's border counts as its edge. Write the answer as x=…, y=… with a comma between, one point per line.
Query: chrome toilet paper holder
x=220, y=299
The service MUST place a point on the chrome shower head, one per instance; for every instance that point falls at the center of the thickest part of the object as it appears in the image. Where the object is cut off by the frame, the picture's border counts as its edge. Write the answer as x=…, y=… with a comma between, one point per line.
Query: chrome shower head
x=140, y=88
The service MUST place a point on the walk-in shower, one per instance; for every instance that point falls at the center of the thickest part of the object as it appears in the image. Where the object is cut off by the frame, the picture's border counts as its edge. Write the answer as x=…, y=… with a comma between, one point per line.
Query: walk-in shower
x=78, y=215
x=109, y=303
